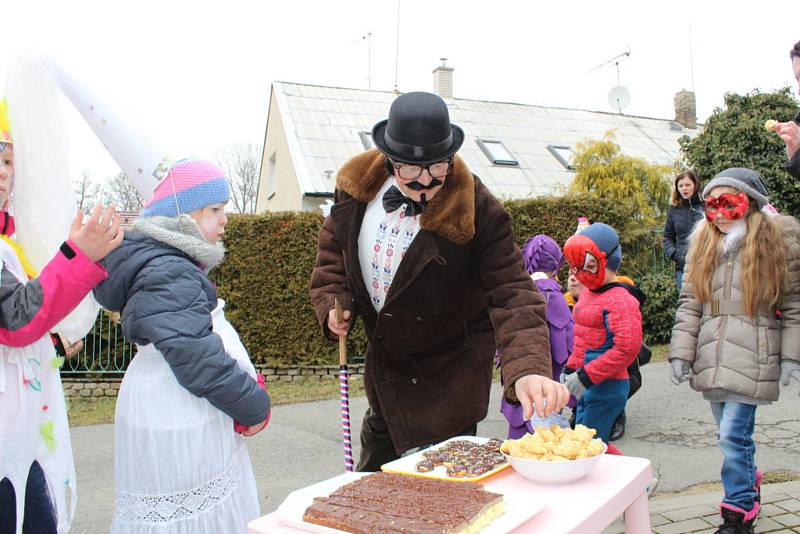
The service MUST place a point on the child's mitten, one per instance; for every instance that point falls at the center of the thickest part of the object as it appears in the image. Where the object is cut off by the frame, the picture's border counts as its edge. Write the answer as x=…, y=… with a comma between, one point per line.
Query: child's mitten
x=574, y=385
x=789, y=370
x=680, y=371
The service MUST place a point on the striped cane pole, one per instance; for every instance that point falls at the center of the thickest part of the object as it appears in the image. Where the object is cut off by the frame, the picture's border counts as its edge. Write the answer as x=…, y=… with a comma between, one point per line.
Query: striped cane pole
x=344, y=393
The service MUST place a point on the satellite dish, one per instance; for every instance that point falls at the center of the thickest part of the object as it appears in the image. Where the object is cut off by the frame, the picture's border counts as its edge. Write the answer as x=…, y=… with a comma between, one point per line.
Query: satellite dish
x=619, y=97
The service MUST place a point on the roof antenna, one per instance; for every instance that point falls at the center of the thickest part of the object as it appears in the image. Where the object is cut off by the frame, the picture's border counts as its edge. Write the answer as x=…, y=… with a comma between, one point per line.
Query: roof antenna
x=619, y=96
x=397, y=46
x=368, y=37
x=691, y=56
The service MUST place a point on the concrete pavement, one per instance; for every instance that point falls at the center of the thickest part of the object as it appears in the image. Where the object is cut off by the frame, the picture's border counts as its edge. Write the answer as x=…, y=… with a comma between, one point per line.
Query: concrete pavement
x=670, y=425
x=699, y=512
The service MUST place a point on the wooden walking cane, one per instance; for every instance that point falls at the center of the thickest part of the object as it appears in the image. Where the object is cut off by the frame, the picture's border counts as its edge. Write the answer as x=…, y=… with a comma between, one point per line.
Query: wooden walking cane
x=344, y=392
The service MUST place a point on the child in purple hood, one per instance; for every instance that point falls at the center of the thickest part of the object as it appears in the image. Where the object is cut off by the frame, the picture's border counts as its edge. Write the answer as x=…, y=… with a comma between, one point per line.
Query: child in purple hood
x=543, y=259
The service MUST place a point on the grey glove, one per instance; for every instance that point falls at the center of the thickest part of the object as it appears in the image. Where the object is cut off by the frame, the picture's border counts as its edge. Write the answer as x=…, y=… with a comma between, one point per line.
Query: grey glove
x=680, y=371
x=574, y=385
x=789, y=369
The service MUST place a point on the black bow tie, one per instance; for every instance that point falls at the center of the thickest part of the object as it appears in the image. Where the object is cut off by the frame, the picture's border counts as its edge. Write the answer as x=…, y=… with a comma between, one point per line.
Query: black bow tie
x=393, y=199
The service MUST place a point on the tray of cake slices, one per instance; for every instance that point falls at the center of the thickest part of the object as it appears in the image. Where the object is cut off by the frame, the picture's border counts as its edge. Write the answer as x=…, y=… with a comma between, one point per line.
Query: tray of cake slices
x=460, y=459
x=358, y=502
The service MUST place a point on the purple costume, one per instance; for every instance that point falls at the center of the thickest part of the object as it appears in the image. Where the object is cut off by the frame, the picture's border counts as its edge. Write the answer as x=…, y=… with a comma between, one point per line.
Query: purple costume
x=543, y=255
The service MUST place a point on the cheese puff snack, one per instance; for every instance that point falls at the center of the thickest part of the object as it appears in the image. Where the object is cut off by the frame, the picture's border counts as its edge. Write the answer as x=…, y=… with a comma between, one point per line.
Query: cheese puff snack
x=555, y=444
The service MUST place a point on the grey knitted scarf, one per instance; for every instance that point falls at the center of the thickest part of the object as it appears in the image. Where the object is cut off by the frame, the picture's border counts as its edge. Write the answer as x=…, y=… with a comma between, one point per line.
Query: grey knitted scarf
x=184, y=234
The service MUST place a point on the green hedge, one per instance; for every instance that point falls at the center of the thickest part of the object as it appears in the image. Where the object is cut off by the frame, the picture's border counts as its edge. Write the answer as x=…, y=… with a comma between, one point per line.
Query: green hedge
x=658, y=314
x=264, y=281
x=558, y=218
x=264, y=278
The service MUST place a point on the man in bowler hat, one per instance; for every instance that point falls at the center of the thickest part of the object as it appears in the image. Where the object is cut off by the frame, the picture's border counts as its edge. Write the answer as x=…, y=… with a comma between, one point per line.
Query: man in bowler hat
x=420, y=248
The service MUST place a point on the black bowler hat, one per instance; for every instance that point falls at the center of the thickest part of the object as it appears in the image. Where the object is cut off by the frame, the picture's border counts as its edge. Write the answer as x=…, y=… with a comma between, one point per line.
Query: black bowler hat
x=418, y=130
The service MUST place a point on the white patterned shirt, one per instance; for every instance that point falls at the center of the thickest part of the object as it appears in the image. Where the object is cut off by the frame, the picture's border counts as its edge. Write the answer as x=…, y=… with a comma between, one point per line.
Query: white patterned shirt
x=382, y=242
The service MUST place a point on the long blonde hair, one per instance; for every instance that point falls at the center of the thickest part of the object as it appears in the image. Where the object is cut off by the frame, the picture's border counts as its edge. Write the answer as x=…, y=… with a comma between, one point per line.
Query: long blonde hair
x=762, y=256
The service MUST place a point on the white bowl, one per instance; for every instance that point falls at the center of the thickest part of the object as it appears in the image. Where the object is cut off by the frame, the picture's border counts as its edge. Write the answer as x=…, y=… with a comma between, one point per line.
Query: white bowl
x=563, y=472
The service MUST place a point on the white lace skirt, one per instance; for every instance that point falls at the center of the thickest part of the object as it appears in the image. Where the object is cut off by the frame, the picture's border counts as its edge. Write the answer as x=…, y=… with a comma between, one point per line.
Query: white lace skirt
x=180, y=468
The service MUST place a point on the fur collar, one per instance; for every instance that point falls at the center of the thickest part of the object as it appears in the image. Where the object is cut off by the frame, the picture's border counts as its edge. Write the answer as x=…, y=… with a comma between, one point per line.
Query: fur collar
x=450, y=214
x=732, y=241
x=182, y=233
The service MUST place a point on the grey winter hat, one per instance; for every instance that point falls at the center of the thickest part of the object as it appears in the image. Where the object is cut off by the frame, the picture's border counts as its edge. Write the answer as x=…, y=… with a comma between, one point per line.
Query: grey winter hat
x=745, y=180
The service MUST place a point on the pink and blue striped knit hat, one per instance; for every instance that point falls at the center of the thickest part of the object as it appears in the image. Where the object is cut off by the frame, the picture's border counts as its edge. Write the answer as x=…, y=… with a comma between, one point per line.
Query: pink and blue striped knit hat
x=189, y=185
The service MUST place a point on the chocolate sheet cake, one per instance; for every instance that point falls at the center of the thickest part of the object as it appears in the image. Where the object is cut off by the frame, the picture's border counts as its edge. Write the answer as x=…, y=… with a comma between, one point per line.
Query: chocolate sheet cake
x=386, y=503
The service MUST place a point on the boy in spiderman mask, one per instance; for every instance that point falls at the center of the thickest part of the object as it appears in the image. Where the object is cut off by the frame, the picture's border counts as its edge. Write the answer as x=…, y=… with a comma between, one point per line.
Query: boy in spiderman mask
x=608, y=329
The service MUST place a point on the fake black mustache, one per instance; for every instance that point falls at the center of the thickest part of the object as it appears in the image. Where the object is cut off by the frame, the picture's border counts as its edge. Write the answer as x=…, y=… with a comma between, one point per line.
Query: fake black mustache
x=416, y=186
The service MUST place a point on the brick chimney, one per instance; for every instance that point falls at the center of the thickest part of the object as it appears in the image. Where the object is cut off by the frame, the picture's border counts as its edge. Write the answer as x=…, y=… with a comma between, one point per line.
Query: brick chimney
x=443, y=80
x=685, y=109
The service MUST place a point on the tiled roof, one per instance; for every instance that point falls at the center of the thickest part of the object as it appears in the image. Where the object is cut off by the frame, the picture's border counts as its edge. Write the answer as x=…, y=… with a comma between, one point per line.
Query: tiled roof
x=323, y=125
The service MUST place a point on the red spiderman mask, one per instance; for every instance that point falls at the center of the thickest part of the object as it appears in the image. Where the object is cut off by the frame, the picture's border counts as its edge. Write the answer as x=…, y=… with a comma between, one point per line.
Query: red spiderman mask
x=586, y=260
x=728, y=205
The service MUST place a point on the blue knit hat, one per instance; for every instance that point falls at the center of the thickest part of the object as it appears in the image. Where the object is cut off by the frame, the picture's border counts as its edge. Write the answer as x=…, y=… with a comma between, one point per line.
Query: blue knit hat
x=189, y=185
x=607, y=240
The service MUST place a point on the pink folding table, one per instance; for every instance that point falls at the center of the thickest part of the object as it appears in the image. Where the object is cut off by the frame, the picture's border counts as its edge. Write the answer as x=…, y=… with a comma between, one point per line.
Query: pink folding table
x=616, y=486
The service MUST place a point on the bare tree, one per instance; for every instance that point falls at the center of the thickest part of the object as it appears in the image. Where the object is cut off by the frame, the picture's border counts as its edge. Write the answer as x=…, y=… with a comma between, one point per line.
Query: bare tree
x=119, y=191
x=241, y=162
x=87, y=192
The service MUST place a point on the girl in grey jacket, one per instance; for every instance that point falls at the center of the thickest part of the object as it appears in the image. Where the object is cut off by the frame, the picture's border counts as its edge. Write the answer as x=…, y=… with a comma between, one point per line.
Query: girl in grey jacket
x=180, y=466
x=737, y=328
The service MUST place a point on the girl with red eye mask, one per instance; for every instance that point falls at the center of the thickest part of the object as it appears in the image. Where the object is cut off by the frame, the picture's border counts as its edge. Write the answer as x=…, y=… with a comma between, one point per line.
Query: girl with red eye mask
x=729, y=205
x=607, y=331
x=729, y=340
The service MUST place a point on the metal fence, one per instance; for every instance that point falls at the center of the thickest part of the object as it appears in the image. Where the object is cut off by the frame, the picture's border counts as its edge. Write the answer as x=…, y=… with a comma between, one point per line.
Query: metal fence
x=105, y=351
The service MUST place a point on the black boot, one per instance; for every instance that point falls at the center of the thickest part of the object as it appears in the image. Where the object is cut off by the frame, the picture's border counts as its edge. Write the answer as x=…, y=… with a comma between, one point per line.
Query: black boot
x=618, y=430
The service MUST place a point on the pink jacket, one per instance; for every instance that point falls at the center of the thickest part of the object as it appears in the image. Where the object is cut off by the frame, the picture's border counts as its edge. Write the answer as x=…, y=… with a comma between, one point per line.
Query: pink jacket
x=28, y=310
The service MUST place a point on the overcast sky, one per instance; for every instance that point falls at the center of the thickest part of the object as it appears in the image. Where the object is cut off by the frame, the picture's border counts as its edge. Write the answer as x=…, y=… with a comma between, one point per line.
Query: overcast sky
x=199, y=72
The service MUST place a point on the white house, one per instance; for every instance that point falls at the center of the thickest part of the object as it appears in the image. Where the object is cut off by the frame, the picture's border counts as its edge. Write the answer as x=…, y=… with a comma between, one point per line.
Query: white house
x=517, y=150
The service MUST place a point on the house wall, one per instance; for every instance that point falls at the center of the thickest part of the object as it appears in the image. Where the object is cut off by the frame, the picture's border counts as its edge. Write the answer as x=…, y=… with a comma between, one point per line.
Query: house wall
x=278, y=188
x=312, y=203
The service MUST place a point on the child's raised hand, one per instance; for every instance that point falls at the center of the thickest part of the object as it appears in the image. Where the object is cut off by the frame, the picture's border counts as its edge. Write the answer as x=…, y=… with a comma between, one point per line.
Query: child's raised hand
x=100, y=235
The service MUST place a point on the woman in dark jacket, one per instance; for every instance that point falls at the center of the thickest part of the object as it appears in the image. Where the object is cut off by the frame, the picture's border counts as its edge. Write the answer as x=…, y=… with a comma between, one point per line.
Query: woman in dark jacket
x=686, y=210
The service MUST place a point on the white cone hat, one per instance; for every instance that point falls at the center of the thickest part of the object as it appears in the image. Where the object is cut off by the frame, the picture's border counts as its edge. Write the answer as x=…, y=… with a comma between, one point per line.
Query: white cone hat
x=43, y=200
x=139, y=156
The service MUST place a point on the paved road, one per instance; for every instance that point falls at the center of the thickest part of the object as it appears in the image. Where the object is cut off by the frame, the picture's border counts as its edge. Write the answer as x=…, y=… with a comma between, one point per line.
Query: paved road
x=672, y=426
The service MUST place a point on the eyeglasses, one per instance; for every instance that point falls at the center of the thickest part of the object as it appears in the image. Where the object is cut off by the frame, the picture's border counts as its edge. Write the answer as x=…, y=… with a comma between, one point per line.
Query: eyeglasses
x=408, y=171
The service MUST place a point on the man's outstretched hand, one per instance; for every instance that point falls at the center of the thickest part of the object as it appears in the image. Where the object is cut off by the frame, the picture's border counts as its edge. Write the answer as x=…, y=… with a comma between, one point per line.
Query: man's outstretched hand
x=542, y=393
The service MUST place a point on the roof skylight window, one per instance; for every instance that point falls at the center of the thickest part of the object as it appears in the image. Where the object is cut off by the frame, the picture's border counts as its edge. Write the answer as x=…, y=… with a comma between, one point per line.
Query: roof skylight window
x=366, y=140
x=497, y=152
x=563, y=154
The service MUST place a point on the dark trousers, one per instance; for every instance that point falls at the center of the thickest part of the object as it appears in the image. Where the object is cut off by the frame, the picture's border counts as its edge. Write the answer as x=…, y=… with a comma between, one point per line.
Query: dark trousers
x=600, y=406
x=40, y=516
x=376, y=444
